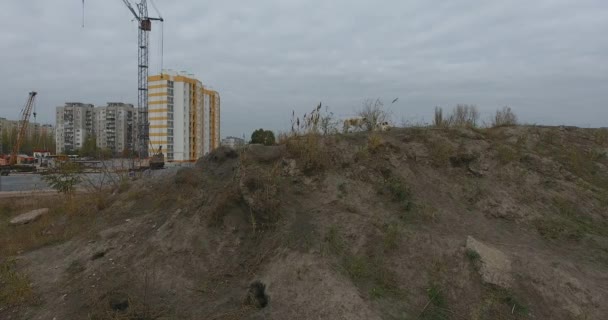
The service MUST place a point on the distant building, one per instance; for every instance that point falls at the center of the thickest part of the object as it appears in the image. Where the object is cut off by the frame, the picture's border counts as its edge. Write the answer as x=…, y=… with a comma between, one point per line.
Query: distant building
x=184, y=116
x=115, y=127
x=11, y=127
x=74, y=123
x=233, y=142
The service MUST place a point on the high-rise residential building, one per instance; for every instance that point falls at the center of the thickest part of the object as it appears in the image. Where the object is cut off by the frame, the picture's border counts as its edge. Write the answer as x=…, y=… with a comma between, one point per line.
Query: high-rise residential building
x=184, y=116
x=116, y=127
x=74, y=123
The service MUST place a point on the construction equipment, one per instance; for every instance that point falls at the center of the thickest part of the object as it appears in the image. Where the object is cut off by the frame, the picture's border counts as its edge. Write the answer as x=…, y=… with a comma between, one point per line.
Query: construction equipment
x=157, y=160
x=23, y=124
x=145, y=26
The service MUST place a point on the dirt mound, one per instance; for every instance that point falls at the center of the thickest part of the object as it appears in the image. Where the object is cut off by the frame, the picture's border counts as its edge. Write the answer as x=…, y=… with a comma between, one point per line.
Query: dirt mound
x=357, y=226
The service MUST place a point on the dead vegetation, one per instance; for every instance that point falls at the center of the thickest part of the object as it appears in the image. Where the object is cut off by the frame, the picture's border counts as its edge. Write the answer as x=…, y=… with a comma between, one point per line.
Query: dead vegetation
x=375, y=223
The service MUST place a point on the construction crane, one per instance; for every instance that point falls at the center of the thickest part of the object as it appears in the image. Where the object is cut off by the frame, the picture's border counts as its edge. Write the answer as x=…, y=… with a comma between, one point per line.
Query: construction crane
x=145, y=26
x=23, y=124
x=143, y=41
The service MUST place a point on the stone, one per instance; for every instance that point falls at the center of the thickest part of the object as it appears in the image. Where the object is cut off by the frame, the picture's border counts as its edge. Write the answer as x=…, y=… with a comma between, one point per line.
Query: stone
x=495, y=265
x=29, y=216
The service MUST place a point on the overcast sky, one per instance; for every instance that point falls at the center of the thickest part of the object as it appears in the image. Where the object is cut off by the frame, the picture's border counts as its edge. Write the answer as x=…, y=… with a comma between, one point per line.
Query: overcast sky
x=547, y=59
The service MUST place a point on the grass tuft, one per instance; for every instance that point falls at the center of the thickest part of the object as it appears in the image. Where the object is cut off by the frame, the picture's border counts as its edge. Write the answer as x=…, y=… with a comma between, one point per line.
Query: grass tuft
x=15, y=287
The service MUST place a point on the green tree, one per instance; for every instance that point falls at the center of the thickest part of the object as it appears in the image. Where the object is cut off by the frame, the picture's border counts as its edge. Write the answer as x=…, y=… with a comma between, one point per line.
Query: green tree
x=265, y=137
x=89, y=148
x=65, y=179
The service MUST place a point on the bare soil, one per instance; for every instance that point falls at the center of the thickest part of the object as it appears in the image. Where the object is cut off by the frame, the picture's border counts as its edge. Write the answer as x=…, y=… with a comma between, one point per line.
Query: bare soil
x=357, y=226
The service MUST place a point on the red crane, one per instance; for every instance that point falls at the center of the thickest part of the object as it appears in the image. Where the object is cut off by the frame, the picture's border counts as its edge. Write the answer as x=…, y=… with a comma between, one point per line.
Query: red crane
x=23, y=123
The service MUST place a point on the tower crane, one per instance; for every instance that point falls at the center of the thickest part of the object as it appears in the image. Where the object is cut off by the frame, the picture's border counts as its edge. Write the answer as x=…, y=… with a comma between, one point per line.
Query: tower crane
x=23, y=124
x=143, y=41
x=145, y=26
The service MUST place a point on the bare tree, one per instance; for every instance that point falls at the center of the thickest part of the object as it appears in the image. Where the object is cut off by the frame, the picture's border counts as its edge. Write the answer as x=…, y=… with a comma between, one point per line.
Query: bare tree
x=464, y=116
x=438, y=121
x=504, y=117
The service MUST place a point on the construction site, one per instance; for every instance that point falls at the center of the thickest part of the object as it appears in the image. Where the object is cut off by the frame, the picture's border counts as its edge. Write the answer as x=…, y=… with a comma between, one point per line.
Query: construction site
x=176, y=120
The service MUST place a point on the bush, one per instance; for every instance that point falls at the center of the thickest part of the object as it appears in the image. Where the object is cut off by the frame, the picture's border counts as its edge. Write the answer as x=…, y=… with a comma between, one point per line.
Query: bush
x=462, y=116
x=261, y=136
x=504, y=118
x=373, y=114
x=65, y=179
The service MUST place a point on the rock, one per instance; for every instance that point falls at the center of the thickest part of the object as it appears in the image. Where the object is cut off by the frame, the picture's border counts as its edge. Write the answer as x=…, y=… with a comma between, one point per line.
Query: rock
x=256, y=295
x=29, y=216
x=290, y=167
x=495, y=265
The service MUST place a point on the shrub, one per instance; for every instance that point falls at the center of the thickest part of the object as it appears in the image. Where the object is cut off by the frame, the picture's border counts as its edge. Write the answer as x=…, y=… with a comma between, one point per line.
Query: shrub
x=65, y=179
x=504, y=118
x=265, y=137
x=438, y=120
x=462, y=116
x=374, y=142
x=440, y=152
x=373, y=114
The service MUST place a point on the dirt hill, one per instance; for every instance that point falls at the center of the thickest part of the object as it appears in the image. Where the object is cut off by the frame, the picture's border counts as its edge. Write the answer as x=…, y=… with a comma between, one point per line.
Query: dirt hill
x=416, y=223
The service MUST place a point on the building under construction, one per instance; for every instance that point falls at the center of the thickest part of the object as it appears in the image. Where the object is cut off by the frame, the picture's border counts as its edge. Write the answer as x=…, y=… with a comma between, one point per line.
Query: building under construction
x=184, y=116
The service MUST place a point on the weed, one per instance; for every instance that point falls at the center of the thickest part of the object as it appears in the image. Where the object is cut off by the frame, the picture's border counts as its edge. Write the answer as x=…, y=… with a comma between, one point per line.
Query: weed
x=558, y=229
x=373, y=114
x=506, y=154
x=398, y=190
x=391, y=237
x=66, y=177
x=507, y=297
x=342, y=189
x=15, y=288
x=334, y=240
x=362, y=154
x=74, y=213
x=440, y=152
x=357, y=267
x=473, y=255
x=568, y=223
x=600, y=136
x=504, y=118
x=311, y=152
x=436, y=308
x=219, y=204
x=374, y=142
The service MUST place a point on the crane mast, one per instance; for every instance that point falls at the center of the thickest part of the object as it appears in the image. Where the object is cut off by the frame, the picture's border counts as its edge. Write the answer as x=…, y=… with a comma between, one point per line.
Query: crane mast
x=145, y=26
x=23, y=124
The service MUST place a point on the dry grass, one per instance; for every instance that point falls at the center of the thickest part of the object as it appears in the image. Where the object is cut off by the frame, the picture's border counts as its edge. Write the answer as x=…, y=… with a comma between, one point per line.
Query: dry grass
x=311, y=151
x=374, y=142
x=505, y=154
x=504, y=118
x=15, y=288
x=462, y=116
x=67, y=217
x=440, y=152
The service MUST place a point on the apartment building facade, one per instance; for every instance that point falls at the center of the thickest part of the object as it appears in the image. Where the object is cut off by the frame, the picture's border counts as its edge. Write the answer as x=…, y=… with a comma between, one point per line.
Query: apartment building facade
x=116, y=127
x=184, y=116
x=74, y=123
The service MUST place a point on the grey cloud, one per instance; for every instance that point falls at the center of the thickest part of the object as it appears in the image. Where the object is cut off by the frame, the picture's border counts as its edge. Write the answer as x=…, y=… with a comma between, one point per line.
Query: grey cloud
x=547, y=59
